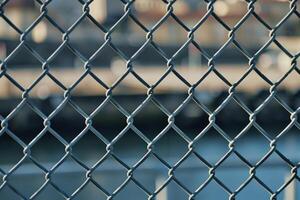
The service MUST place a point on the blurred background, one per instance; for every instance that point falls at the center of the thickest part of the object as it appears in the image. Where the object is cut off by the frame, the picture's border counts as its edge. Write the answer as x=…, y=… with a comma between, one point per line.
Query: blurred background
x=108, y=65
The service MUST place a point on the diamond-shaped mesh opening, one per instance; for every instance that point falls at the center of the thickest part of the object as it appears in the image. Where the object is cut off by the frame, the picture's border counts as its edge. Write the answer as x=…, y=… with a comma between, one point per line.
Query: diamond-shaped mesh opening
x=276, y=166
x=192, y=119
x=252, y=39
x=216, y=96
x=102, y=174
x=104, y=120
x=60, y=119
x=94, y=143
x=171, y=147
x=131, y=156
x=39, y=148
x=199, y=172
x=161, y=39
x=152, y=173
x=211, y=146
x=96, y=89
x=281, y=121
x=68, y=170
x=146, y=58
x=18, y=124
x=225, y=120
x=150, y=111
x=126, y=26
x=130, y=27
x=29, y=173
x=276, y=60
x=86, y=37
x=211, y=32
x=231, y=63
x=252, y=139
x=44, y=38
x=163, y=87
x=235, y=169
x=46, y=91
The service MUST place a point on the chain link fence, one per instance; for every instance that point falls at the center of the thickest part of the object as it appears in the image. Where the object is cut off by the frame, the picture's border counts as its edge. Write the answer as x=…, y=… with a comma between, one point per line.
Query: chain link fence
x=131, y=173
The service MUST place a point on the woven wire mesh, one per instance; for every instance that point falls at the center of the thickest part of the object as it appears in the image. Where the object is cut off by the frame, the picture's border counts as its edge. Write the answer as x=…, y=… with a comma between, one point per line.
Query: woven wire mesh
x=170, y=68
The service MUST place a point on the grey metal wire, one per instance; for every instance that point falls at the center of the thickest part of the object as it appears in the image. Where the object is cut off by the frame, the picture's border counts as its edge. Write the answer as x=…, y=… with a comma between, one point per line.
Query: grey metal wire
x=149, y=32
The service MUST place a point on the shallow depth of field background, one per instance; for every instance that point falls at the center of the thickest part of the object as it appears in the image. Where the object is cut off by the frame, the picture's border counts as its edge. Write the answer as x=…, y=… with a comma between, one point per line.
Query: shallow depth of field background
x=171, y=92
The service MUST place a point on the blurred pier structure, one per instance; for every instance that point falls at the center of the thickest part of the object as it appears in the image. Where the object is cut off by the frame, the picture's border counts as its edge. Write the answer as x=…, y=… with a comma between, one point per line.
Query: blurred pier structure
x=130, y=85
